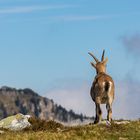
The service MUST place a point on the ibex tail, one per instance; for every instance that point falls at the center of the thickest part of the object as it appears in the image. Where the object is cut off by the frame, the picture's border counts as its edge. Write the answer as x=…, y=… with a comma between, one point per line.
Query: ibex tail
x=107, y=86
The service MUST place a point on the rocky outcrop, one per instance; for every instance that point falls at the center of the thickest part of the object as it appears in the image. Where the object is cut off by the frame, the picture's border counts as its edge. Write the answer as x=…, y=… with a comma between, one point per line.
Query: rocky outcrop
x=16, y=123
x=26, y=101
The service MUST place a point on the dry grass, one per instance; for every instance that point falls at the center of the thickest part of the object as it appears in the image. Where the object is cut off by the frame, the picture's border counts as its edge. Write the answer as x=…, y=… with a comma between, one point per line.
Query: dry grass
x=50, y=130
x=42, y=125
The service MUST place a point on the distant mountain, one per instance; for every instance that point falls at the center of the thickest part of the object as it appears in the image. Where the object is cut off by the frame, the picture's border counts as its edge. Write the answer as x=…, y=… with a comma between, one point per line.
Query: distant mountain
x=26, y=101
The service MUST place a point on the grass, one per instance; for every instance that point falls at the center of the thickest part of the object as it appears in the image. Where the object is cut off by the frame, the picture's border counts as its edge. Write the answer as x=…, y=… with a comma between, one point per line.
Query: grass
x=50, y=130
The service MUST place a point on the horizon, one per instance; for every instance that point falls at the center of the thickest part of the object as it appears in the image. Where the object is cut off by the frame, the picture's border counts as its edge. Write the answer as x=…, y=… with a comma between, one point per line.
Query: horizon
x=44, y=46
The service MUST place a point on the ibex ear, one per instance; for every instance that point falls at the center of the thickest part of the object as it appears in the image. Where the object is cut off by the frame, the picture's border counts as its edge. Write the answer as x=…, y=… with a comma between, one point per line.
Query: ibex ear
x=92, y=64
x=105, y=61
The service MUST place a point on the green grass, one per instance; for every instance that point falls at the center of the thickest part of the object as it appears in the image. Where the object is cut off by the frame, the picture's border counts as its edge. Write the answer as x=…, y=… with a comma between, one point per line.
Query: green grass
x=42, y=130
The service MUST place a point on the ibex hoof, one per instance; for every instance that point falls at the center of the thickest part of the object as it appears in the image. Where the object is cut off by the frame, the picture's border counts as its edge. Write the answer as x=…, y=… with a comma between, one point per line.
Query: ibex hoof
x=108, y=123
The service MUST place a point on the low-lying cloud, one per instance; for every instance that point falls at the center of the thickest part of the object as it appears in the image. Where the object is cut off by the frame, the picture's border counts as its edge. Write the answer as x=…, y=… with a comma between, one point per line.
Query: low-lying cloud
x=126, y=104
x=127, y=101
x=76, y=98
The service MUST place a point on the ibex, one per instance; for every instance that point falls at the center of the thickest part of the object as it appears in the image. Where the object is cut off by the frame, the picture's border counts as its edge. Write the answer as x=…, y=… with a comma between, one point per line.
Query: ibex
x=102, y=90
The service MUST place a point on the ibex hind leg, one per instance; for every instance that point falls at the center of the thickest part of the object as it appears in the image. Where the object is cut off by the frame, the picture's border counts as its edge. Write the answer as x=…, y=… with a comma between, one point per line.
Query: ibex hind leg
x=98, y=117
x=109, y=112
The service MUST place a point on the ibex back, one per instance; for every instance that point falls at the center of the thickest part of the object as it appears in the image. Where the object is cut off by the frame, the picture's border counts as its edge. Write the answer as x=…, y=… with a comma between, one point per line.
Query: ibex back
x=102, y=90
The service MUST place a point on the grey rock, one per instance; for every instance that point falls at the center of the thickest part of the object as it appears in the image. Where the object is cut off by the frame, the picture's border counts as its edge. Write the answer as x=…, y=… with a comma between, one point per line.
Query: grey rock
x=15, y=123
x=1, y=132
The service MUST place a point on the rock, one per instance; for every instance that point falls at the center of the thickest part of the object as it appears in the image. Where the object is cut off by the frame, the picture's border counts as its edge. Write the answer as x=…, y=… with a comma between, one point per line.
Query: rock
x=122, y=122
x=16, y=122
x=1, y=132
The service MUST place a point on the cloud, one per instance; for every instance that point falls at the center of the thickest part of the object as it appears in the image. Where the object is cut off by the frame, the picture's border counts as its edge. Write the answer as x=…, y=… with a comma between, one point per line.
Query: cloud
x=126, y=103
x=33, y=8
x=79, y=18
x=127, y=99
x=76, y=98
x=132, y=43
x=29, y=9
x=93, y=17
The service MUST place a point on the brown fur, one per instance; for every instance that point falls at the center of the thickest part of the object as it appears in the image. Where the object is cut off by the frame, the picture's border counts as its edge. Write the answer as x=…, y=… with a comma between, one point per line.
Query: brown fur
x=102, y=90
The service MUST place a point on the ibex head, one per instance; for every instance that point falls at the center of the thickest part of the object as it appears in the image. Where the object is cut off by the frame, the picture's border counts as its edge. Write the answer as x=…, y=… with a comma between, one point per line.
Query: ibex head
x=100, y=66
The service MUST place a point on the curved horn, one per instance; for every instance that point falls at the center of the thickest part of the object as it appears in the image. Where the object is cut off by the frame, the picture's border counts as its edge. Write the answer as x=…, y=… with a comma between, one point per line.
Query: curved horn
x=94, y=57
x=102, y=59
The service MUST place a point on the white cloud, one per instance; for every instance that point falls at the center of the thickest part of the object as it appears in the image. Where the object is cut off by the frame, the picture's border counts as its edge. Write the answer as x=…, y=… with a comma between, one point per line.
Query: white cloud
x=127, y=100
x=79, y=18
x=29, y=9
x=126, y=103
x=77, y=99
x=92, y=17
x=33, y=8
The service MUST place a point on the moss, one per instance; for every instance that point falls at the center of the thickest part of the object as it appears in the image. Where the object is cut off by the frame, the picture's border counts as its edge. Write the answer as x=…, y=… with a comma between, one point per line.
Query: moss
x=19, y=116
x=7, y=121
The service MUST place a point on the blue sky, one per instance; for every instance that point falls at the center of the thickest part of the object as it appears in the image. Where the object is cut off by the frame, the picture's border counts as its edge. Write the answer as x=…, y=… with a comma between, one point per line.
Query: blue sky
x=44, y=45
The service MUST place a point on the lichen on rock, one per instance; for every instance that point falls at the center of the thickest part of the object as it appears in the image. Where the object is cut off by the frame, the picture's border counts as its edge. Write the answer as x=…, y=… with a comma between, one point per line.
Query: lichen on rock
x=16, y=122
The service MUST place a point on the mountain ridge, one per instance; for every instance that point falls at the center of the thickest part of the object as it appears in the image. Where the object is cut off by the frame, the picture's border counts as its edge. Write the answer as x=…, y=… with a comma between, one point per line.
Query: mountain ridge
x=27, y=101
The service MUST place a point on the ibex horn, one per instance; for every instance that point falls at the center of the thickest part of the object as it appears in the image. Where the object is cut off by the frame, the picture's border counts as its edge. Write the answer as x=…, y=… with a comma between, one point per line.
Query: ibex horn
x=102, y=59
x=94, y=57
